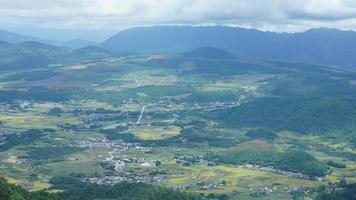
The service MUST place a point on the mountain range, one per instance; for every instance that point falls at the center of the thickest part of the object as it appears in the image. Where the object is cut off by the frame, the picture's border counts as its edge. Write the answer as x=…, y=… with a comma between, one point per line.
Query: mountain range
x=15, y=38
x=35, y=54
x=10, y=37
x=320, y=46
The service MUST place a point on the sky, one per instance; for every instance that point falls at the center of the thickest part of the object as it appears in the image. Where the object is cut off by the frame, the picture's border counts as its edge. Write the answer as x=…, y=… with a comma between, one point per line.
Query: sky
x=98, y=19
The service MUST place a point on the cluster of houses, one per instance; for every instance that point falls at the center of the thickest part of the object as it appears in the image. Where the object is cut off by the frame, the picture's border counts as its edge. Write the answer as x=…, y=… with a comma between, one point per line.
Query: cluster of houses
x=265, y=190
x=278, y=171
x=210, y=106
x=101, y=116
x=116, y=148
x=117, y=161
x=187, y=160
x=203, y=185
x=131, y=178
x=261, y=191
x=103, y=144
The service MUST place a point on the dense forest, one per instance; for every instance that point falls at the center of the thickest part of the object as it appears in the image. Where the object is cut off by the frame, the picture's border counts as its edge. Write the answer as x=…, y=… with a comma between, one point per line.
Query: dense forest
x=291, y=160
x=121, y=191
x=10, y=140
x=340, y=191
x=304, y=115
x=125, y=191
x=13, y=192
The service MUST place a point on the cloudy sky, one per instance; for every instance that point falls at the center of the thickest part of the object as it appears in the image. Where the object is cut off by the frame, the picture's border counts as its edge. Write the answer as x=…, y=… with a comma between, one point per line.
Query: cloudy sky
x=98, y=19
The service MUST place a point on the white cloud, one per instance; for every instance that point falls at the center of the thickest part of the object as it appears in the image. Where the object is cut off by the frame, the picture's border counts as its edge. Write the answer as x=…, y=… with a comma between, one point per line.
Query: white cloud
x=278, y=15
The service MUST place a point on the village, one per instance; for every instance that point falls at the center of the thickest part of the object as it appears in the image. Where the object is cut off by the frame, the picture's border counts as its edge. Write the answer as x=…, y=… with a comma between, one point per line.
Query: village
x=117, y=160
x=202, y=185
x=278, y=171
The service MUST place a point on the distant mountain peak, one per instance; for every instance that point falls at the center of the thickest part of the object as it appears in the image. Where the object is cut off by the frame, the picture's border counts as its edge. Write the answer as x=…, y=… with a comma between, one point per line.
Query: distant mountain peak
x=40, y=46
x=79, y=43
x=324, y=30
x=33, y=43
x=209, y=53
x=15, y=38
x=92, y=49
x=327, y=32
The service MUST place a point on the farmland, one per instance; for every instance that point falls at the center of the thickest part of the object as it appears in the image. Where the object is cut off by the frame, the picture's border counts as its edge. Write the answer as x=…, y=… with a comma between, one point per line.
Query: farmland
x=176, y=123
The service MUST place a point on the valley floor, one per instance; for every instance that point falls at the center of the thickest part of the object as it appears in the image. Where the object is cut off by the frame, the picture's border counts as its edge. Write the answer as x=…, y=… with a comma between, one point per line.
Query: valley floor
x=123, y=119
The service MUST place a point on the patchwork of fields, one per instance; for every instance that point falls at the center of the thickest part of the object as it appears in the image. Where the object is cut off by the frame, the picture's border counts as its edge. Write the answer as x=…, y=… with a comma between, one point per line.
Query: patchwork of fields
x=143, y=119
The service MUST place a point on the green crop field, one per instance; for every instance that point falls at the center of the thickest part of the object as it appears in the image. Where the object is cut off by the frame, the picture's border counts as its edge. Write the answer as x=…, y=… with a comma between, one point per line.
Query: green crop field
x=87, y=121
